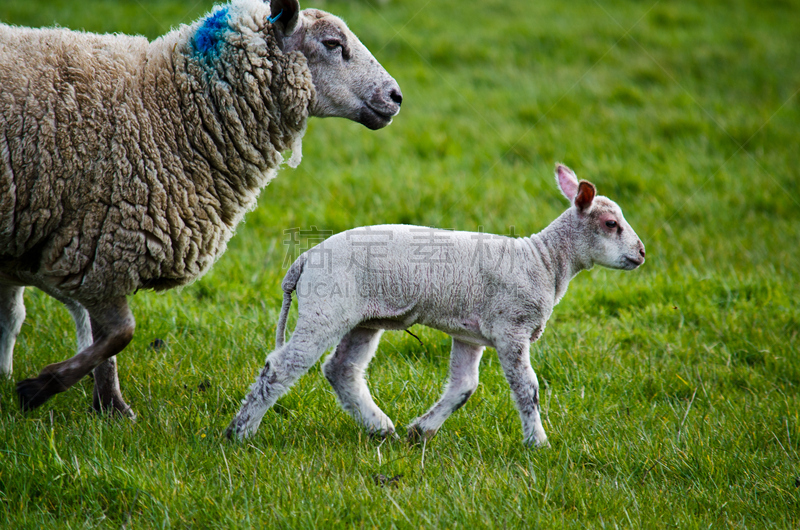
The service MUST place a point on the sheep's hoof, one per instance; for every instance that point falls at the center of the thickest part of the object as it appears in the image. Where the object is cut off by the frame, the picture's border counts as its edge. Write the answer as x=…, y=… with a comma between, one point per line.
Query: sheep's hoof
x=416, y=435
x=116, y=407
x=34, y=391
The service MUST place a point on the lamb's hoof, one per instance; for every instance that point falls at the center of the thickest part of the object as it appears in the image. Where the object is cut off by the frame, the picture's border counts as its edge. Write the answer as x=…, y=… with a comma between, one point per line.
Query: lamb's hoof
x=382, y=434
x=230, y=433
x=235, y=433
x=242, y=426
x=35, y=391
x=417, y=435
x=538, y=444
x=382, y=480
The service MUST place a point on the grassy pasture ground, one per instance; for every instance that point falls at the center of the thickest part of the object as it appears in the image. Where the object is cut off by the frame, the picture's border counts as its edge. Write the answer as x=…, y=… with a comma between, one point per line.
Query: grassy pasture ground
x=670, y=393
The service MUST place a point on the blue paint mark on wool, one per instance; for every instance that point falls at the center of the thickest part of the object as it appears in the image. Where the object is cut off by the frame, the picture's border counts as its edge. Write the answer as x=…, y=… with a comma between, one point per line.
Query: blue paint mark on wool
x=210, y=33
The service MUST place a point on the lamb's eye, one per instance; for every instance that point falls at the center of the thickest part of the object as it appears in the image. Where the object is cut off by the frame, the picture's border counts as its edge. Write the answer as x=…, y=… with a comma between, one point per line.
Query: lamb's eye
x=611, y=224
x=332, y=44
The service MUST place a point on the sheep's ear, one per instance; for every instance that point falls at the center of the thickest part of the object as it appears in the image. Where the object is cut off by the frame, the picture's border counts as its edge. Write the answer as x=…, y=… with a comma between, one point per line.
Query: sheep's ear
x=284, y=14
x=567, y=181
x=586, y=193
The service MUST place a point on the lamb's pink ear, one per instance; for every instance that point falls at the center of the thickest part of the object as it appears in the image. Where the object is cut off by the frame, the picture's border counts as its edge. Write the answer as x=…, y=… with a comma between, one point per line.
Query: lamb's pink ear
x=567, y=181
x=586, y=193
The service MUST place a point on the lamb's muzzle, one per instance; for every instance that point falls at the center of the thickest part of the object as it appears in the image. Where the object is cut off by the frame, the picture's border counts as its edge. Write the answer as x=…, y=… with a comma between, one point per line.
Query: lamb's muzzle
x=482, y=289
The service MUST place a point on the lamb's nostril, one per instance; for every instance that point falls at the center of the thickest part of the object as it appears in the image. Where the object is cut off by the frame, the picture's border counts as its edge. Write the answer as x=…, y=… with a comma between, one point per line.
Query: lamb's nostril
x=641, y=252
x=396, y=96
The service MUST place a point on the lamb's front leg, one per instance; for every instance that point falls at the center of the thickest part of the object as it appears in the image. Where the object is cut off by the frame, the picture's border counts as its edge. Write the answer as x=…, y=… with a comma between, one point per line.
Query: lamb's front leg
x=514, y=354
x=464, y=363
x=345, y=368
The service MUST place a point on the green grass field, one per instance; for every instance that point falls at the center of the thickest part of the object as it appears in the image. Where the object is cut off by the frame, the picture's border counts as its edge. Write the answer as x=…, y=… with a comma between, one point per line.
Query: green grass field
x=670, y=393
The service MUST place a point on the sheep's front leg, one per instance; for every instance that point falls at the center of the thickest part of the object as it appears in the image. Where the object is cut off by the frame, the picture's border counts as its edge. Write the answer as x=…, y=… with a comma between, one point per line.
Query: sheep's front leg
x=283, y=368
x=516, y=362
x=112, y=329
x=464, y=363
x=345, y=368
x=12, y=315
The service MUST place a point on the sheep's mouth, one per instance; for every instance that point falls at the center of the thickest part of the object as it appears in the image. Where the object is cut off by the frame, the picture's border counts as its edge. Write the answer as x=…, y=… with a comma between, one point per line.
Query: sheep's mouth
x=631, y=263
x=373, y=118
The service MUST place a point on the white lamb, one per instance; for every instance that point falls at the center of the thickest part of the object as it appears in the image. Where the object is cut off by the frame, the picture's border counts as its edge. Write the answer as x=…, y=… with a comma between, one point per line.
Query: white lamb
x=481, y=289
x=127, y=164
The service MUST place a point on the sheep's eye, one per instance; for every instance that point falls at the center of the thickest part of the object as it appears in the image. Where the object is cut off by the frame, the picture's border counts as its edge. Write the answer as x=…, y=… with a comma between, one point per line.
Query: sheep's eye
x=611, y=224
x=332, y=44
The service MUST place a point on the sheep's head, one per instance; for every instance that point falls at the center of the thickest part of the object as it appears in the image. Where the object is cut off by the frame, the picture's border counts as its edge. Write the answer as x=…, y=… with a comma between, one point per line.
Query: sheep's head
x=602, y=234
x=349, y=82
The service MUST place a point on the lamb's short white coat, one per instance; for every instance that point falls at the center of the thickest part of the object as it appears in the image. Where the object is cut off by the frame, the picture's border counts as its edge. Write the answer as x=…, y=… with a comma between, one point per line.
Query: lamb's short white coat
x=481, y=289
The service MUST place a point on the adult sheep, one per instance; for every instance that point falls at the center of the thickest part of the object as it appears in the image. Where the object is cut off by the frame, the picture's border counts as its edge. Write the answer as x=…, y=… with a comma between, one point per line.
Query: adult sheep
x=126, y=164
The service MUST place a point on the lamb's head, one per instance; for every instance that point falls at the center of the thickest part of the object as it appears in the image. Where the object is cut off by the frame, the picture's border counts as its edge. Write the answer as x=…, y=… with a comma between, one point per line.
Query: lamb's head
x=602, y=235
x=349, y=82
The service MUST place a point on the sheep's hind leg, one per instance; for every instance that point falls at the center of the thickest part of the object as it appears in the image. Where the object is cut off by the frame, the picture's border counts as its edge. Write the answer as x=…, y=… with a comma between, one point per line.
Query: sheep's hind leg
x=282, y=369
x=345, y=368
x=83, y=326
x=12, y=315
x=464, y=363
x=112, y=329
x=107, y=396
x=516, y=362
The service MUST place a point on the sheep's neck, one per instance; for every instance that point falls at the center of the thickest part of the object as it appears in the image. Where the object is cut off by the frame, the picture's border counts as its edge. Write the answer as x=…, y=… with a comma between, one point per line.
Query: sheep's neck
x=241, y=149
x=558, y=253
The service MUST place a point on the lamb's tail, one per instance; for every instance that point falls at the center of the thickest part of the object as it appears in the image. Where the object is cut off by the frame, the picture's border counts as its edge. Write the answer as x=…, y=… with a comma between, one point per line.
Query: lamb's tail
x=289, y=285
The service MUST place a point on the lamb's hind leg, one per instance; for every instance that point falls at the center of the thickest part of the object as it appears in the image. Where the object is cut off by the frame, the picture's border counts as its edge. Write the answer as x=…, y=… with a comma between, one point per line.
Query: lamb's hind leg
x=345, y=368
x=283, y=368
x=112, y=329
x=12, y=315
x=106, y=395
x=464, y=363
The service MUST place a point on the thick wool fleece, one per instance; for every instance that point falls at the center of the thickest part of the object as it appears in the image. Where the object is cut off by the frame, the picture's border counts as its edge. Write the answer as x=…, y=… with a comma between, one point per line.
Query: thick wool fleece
x=126, y=164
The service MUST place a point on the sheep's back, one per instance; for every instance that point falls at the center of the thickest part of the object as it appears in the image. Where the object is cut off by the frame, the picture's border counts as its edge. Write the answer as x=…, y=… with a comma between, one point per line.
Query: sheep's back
x=126, y=164
x=102, y=191
x=59, y=121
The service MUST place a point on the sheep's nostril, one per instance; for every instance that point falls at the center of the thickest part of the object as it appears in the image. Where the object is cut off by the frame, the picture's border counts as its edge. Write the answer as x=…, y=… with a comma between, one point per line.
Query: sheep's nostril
x=641, y=252
x=396, y=96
